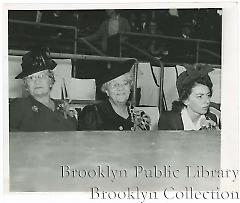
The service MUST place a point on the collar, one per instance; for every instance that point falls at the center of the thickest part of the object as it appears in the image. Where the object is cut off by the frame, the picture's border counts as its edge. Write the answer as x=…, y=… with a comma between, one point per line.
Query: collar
x=187, y=121
x=107, y=109
x=116, y=17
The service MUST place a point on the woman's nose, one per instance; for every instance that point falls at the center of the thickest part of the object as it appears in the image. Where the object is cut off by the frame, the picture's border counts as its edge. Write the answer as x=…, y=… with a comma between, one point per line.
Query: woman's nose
x=207, y=100
x=121, y=87
x=37, y=80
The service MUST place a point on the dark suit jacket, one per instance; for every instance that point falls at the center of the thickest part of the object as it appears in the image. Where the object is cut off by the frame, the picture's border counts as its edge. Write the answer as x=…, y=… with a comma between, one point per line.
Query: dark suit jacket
x=27, y=114
x=171, y=120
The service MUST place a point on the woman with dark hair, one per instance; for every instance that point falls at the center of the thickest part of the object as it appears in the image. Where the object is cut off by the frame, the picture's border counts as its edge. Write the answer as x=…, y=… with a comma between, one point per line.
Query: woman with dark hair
x=191, y=111
x=39, y=112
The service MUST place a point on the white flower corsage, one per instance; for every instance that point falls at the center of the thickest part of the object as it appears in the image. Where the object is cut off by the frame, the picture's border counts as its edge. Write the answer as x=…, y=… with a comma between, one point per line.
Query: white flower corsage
x=208, y=124
x=140, y=119
x=64, y=107
x=35, y=108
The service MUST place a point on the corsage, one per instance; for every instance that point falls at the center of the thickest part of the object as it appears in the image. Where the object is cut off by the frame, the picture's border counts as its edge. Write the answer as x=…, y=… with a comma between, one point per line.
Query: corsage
x=64, y=107
x=140, y=119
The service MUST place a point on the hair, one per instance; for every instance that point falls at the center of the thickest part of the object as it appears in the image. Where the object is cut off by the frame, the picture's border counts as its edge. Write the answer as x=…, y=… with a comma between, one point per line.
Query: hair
x=50, y=74
x=187, y=90
x=129, y=77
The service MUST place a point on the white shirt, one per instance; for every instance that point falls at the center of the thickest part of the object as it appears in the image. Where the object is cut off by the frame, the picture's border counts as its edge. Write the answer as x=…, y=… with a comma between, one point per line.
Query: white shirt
x=187, y=121
x=113, y=26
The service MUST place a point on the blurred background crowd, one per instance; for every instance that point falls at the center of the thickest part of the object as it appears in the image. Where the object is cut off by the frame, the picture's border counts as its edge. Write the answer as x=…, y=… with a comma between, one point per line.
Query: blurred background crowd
x=172, y=35
x=192, y=23
x=184, y=23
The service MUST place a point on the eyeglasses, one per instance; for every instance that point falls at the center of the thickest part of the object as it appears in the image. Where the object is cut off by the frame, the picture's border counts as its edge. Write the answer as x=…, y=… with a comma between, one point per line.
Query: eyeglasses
x=37, y=77
x=118, y=85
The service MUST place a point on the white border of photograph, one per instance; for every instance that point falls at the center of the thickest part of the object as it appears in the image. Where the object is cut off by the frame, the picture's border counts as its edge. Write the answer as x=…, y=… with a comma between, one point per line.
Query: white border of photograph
x=229, y=89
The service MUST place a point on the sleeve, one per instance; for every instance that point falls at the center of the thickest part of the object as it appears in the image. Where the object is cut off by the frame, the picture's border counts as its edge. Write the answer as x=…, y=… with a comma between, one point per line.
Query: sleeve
x=98, y=34
x=164, y=122
x=89, y=118
x=16, y=114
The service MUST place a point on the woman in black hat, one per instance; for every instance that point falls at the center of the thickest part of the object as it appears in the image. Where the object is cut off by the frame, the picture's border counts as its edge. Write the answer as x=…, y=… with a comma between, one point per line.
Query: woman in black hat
x=191, y=111
x=38, y=112
x=116, y=113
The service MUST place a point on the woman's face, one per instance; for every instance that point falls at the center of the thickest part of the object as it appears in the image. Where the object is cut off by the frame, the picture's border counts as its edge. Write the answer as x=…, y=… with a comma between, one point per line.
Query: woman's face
x=119, y=89
x=39, y=83
x=199, y=100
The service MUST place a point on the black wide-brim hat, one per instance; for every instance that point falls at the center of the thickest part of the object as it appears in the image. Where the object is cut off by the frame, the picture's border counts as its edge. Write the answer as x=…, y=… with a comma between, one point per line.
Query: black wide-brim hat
x=117, y=68
x=35, y=61
x=193, y=73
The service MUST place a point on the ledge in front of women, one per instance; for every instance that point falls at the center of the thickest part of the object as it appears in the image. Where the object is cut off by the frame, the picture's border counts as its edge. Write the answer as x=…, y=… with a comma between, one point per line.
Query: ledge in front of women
x=35, y=159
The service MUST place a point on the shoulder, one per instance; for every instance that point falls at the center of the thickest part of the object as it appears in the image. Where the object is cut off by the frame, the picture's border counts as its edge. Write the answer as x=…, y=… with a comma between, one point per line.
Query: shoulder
x=170, y=114
x=89, y=118
x=20, y=103
x=89, y=109
x=18, y=110
x=19, y=100
x=212, y=117
x=170, y=120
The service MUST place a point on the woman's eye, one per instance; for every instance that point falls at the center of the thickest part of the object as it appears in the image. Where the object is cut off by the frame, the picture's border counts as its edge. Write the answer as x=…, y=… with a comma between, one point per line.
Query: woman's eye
x=114, y=85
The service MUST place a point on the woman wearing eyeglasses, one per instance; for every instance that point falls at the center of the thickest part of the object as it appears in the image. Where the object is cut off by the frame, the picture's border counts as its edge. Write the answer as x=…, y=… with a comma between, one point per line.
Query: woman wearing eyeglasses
x=38, y=112
x=116, y=113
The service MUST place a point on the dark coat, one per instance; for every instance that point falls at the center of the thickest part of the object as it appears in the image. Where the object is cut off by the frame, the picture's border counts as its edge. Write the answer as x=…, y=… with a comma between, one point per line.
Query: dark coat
x=172, y=120
x=27, y=114
x=102, y=117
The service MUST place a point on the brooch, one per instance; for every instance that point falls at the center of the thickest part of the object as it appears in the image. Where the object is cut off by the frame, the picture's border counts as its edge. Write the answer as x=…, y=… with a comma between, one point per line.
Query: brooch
x=35, y=108
x=120, y=127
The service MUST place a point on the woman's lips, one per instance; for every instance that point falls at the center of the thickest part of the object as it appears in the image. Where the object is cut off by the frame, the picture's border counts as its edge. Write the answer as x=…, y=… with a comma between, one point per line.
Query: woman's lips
x=205, y=107
x=121, y=94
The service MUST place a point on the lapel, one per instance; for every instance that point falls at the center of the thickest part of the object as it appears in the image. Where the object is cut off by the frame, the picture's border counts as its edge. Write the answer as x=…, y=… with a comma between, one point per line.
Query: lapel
x=41, y=107
x=108, y=111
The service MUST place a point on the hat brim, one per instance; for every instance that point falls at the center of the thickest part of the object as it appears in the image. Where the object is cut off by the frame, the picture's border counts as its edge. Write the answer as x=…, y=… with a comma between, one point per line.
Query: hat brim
x=32, y=71
x=117, y=69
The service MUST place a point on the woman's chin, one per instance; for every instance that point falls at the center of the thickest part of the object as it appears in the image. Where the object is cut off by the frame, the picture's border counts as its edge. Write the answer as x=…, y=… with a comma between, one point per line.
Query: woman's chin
x=203, y=112
x=39, y=94
x=121, y=100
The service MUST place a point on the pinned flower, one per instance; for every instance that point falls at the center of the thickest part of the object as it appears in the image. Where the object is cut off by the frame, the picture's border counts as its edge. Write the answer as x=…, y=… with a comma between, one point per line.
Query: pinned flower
x=140, y=119
x=208, y=124
x=35, y=108
x=64, y=107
